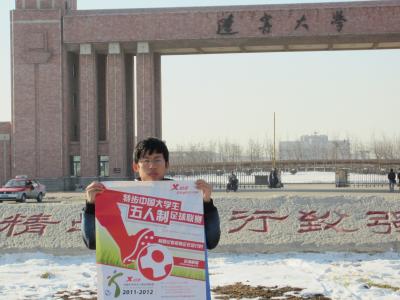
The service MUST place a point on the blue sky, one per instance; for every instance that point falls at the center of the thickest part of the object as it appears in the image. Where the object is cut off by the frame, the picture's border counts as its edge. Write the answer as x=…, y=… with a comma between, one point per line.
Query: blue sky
x=212, y=97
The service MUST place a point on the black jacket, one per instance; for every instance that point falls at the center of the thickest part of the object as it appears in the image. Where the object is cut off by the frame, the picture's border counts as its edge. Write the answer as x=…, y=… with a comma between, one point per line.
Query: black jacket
x=392, y=176
x=211, y=225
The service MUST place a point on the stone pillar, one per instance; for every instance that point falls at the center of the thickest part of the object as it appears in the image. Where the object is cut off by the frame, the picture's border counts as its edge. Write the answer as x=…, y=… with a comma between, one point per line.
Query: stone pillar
x=116, y=111
x=148, y=82
x=5, y=155
x=88, y=111
x=130, y=110
x=37, y=133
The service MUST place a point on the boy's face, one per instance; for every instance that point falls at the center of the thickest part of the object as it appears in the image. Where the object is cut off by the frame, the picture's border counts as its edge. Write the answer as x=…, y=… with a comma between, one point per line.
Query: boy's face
x=151, y=167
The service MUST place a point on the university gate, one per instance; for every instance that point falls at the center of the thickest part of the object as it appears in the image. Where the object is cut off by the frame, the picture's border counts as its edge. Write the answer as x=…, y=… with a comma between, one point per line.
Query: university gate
x=74, y=73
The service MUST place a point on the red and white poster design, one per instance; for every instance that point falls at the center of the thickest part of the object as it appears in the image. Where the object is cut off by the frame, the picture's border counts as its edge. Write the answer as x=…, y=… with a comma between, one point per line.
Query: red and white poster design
x=150, y=241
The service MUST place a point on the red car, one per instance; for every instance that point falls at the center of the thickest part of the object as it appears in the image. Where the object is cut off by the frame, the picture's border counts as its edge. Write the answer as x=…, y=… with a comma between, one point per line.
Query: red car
x=21, y=188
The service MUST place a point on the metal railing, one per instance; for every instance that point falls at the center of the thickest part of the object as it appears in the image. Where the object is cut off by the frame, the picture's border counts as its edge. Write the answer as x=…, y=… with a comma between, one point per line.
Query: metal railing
x=259, y=180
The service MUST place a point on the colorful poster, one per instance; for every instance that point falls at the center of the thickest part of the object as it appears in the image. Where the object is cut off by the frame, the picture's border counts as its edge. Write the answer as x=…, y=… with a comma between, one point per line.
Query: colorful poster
x=150, y=241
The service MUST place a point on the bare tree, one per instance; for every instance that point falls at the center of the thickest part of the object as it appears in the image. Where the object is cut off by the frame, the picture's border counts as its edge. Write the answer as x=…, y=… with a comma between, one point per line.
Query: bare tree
x=229, y=151
x=383, y=148
x=359, y=149
x=396, y=146
x=298, y=151
x=254, y=150
x=268, y=148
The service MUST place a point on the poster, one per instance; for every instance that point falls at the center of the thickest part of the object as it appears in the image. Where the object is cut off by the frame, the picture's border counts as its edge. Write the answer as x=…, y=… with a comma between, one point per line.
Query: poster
x=150, y=241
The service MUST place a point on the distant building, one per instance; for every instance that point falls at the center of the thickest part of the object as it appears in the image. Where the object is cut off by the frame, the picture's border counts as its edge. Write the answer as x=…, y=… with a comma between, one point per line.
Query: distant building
x=362, y=154
x=192, y=157
x=315, y=146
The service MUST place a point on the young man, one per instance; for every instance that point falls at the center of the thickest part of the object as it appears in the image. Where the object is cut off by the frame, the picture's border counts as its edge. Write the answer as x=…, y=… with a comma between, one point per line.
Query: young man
x=151, y=161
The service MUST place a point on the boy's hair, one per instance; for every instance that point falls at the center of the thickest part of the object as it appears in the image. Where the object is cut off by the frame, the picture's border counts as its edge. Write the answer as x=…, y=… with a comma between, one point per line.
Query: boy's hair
x=149, y=146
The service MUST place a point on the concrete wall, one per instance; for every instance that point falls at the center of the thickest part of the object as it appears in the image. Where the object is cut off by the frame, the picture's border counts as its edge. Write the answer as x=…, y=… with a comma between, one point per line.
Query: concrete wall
x=47, y=227
x=271, y=224
x=293, y=223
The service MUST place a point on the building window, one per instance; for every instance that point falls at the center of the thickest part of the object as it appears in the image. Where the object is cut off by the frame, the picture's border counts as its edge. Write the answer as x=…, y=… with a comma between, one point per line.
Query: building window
x=74, y=71
x=76, y=132
x=101, y=66
x=74, y=126
x=75, y=166
x=75, y=101
x=104, y=166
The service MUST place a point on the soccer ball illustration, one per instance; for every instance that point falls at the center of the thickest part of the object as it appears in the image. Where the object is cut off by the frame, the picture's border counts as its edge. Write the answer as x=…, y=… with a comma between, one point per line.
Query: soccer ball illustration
x=155, y=262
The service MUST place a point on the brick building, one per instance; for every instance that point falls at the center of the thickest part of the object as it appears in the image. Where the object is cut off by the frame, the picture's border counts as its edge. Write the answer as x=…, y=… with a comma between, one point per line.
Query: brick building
x=85, y=83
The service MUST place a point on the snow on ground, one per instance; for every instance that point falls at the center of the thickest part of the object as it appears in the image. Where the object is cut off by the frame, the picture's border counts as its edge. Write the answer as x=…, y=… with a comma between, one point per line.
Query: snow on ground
x=39, y=275
x=308, y=177
x=336, y=275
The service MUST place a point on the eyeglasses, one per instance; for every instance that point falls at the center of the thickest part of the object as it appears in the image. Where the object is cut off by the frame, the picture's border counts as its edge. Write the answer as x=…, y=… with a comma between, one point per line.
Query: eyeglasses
x=154, y=162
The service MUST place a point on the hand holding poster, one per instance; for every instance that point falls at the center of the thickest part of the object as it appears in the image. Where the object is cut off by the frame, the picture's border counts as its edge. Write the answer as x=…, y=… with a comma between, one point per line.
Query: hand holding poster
x=150, y=241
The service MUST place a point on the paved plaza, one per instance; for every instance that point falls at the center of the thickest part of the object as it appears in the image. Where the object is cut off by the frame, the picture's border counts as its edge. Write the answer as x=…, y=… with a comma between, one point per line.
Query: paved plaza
x=313, y=190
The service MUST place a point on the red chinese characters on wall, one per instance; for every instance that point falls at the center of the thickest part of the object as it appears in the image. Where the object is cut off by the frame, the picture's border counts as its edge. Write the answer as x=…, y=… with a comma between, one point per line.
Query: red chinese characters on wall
x=379, y=222
x=310, y=221
x=20, y=224
x=384, y=222
x=74, y=225
x=246, y=217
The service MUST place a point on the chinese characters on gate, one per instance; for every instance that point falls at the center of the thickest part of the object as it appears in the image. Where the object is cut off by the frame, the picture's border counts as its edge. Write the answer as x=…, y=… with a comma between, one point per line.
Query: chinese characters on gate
x=226, y=23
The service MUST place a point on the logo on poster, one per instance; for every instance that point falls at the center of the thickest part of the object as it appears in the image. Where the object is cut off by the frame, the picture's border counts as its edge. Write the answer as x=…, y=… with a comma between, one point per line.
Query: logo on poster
x=112, y=282
x=178, y=187
x=182, y=189
x=131, y=279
